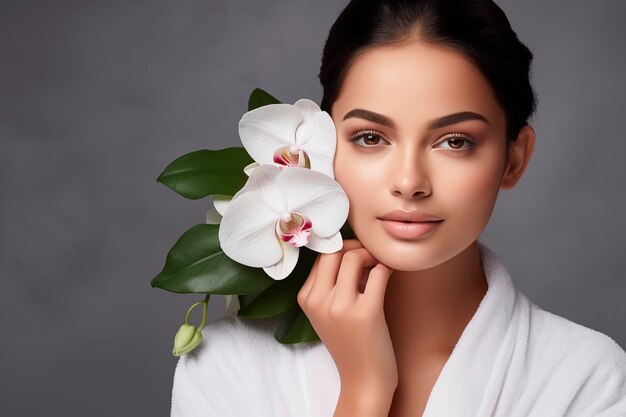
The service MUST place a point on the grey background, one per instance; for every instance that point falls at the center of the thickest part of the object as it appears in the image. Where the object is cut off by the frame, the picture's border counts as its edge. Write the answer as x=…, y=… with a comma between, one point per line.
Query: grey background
x=97, y=97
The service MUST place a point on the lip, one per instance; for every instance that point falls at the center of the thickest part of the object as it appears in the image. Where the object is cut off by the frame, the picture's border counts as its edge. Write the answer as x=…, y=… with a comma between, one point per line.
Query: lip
x=409, y=230
x=409, y=224
x=410, y=216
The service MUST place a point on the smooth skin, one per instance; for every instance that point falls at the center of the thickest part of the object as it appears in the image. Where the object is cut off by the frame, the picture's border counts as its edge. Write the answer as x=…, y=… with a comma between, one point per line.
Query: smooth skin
x=391, y=339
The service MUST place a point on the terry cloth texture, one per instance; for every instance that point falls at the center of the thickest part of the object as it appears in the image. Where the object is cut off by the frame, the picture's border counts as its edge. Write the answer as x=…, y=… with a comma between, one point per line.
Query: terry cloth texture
x=513, y=359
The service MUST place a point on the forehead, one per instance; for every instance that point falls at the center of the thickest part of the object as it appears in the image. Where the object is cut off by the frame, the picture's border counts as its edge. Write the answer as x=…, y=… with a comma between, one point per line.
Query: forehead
x=416, y=81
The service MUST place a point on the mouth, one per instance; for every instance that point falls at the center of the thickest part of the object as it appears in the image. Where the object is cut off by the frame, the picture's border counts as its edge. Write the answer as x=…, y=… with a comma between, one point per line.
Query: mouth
x=409, y=230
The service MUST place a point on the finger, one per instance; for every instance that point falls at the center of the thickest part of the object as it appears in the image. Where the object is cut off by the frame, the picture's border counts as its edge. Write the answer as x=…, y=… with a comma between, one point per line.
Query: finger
x=350, y=272
x=326, y=275
x=308, y=284
x=377, y=284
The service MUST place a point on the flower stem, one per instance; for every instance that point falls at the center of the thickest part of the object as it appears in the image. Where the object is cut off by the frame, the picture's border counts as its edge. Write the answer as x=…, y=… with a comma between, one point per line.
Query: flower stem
x=205, y=302
x=204, y=310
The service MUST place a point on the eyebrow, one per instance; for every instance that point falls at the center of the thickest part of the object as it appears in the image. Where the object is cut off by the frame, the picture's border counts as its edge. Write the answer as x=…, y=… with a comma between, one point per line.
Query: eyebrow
x=433, y=124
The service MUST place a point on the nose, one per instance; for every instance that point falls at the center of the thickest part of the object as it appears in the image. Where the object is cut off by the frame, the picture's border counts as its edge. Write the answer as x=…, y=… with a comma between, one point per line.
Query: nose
x=409, y=174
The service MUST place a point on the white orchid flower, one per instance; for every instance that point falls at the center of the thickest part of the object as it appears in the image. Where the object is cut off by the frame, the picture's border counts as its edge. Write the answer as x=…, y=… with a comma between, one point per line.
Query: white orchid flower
x=277, y=212
x=290, y=135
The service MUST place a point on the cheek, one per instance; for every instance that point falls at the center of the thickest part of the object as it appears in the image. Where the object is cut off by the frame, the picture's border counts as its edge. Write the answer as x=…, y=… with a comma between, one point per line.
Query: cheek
x=360, y=179
x=470, y=191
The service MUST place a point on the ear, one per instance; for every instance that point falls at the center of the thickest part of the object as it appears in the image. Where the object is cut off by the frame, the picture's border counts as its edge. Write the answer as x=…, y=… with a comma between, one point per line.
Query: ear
x=520, y=152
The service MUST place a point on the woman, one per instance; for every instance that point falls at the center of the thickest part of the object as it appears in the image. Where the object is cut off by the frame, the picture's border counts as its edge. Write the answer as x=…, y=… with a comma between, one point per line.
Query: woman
x=431, y=102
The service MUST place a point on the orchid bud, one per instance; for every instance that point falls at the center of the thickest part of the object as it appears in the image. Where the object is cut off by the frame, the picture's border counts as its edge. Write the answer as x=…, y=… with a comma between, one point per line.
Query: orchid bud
x=186, y=339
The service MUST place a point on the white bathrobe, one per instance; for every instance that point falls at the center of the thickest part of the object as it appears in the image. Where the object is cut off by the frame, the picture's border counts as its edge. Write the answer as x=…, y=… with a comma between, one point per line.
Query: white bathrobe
x=512, y=360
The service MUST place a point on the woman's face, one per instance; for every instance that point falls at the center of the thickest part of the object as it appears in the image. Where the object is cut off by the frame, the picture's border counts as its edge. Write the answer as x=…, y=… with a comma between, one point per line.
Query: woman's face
x=417, y=155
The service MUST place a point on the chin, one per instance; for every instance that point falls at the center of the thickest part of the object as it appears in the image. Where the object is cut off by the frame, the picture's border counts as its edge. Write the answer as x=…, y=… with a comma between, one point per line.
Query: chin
x=399, y=265
x=416, y=255
x=408, y=255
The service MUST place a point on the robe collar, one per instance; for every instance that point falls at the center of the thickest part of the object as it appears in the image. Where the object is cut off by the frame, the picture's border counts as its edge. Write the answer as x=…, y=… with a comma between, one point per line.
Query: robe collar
x=474, y=367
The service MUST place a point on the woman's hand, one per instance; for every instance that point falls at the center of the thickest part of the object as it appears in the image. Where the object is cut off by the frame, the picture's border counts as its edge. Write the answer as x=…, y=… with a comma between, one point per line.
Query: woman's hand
x=343, y=298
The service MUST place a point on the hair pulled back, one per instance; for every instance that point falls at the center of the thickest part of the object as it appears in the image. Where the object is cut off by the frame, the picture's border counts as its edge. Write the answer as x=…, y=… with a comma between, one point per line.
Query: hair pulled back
x=479, y=29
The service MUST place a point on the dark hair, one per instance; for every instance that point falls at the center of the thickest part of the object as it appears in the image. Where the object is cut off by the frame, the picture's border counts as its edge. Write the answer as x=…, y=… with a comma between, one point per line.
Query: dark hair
x=477, y=28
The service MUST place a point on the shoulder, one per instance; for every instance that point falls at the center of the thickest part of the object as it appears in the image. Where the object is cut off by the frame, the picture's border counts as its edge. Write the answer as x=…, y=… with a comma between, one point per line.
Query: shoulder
x=585, y=366
x=234, y=329
x=228, y=344
x=240, y=367
x=565, y=338
x=205, y=379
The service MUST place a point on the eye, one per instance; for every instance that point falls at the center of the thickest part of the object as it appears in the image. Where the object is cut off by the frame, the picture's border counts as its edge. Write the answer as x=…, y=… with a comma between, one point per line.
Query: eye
x=370, y=138
x=457, y=142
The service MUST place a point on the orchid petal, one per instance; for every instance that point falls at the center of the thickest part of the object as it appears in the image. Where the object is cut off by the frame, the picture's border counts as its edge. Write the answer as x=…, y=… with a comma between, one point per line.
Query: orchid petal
x=317, y=135
x=247, y=233
x=308, y=108
x=286, y=264
x=220, y=202
x=305, y=131
x=263, y=180
x=267, y=128
x=321, y=143
x=317, y=196
x=329, y=244
x=213, y=216
x=249, y=168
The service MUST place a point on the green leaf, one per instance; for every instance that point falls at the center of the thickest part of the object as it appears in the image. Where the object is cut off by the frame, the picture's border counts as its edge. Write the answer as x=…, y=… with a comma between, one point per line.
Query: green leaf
x=201, y=173
x=294, y=327
x=259, y=98
x=276, y=299
x=282, y=295
x=197, y=264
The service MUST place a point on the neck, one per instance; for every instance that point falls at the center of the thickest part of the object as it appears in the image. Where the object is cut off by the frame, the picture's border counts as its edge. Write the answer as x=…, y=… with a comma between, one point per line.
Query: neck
x=426, y=311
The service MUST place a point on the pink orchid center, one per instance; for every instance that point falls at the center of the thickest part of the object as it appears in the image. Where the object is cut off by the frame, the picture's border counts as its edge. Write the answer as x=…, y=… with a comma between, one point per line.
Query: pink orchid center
x=291, y=156
x=294, y=228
